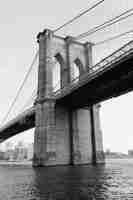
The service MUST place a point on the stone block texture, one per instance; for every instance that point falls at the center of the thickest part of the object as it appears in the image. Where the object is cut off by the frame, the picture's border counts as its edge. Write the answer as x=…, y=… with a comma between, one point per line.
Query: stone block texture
x=63, y=135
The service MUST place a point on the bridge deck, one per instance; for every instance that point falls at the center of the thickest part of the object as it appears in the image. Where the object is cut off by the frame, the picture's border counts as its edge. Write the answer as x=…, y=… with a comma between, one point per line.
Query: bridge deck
x=111, y=61
x=109, y=78
x=110, y=82
x=20, y=123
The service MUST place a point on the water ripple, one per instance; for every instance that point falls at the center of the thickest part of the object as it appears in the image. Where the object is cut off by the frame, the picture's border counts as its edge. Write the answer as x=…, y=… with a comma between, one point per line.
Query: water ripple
x=113, y=181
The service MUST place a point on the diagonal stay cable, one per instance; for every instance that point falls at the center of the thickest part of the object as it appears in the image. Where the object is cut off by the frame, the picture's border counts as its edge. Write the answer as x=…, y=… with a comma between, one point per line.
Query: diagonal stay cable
x=95, y=68
x=78, y=16
x=30, y=100
x=105, y=24
x=113, y=38
x=19, y=90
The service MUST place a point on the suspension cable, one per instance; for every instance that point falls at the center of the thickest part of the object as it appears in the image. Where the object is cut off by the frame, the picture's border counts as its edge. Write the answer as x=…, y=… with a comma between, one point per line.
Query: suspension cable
x=78, y=16
x=112, y=38
x=105, y=24
x=21, y=87
x=31, y=99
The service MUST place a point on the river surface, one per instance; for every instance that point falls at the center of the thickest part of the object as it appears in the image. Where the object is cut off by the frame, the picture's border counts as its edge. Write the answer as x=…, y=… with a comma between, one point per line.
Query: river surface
x=112, y=181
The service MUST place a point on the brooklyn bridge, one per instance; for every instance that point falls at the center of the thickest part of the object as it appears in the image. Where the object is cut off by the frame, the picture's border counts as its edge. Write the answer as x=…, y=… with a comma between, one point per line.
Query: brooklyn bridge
x=66, y=101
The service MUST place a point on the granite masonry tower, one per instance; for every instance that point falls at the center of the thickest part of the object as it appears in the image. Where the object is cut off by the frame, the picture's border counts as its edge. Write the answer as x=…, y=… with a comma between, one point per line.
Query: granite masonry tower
x=64, y=135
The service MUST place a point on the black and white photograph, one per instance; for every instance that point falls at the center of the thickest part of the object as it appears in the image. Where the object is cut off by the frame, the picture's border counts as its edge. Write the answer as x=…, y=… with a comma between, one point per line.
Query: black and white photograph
x=66, y=100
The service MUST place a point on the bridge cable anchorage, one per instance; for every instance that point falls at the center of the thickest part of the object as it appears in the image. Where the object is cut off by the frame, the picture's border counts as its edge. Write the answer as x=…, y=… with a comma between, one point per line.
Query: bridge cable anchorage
x=112, y=38
x=21, y=87
x=78, y=16
x=105, y=24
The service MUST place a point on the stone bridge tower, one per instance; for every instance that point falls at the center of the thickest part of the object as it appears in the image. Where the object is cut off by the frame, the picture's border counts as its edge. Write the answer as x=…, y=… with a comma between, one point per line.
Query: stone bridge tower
x=64, y=135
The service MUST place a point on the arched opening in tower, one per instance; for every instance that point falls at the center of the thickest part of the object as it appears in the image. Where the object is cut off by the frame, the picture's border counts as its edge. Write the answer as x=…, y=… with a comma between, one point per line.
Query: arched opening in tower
x=75, y=73
x=56, y=75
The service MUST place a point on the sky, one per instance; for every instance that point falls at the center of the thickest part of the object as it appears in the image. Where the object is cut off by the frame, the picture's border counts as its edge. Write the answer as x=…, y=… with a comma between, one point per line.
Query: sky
x=21, y=21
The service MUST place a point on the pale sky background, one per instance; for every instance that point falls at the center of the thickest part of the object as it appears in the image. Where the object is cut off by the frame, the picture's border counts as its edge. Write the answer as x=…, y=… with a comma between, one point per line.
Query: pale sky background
x=20, y=22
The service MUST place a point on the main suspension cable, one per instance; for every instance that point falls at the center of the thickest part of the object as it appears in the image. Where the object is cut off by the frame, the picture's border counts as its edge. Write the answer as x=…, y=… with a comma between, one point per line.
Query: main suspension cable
x=105, y=24
x=78, y=16
x=112, y=38
x=30, y=100
x=21, y=87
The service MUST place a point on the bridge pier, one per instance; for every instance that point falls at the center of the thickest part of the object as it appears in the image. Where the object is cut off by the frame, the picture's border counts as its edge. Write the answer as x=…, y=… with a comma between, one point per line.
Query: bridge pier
x=96, y=135
x=87, y=136
x=63, y=135
x=81, y=132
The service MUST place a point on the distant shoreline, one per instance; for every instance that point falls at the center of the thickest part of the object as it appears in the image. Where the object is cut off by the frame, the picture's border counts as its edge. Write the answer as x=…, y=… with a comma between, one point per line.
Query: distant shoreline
x=118, y=157
x=29, y=163
x=3, y=162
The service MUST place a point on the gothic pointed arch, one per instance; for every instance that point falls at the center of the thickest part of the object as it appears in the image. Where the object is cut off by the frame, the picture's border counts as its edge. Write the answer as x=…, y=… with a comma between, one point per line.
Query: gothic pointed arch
x=76, y=70
x=60, y=59
x=60, y=72
x=79, y=64
x=56, y=73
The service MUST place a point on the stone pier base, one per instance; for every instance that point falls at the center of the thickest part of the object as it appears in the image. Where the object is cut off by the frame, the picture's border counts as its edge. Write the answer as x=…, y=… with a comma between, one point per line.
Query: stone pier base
x=64, y=137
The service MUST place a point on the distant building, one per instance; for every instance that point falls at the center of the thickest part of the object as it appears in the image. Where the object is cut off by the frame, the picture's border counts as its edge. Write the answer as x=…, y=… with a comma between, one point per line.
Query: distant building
x=9, y=154
x=30, y=151
x=8, y=146
x=130, y=152
x=2, y=155
x=20, y=152
x=107, y=151
x=109, y=154
x=15, y=153
x=22, y=155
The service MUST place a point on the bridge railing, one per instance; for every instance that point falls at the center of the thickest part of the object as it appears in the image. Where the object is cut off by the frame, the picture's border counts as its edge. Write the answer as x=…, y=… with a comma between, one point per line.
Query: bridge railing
x=93, y=70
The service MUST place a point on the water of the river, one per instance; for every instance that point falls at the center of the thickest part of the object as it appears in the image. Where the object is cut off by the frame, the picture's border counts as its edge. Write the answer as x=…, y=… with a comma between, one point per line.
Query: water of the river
x=112, y=181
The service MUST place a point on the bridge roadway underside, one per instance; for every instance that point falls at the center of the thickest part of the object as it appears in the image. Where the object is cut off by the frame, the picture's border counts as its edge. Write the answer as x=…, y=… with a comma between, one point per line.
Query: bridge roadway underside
x=19, y=124
x=111, y=82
